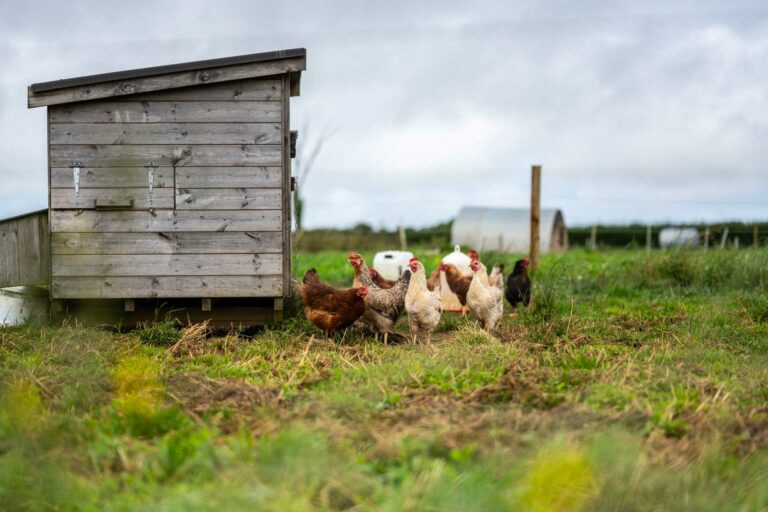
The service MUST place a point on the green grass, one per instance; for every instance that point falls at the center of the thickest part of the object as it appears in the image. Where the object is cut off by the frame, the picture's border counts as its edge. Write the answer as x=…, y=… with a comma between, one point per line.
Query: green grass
x=632, y=382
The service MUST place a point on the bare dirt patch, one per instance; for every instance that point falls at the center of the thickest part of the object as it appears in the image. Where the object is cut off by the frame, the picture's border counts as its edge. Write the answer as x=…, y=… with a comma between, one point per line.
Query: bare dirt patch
x=228, y=402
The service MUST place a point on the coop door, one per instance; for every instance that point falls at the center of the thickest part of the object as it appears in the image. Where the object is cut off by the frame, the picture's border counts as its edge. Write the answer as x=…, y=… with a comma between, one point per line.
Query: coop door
x=79, y=187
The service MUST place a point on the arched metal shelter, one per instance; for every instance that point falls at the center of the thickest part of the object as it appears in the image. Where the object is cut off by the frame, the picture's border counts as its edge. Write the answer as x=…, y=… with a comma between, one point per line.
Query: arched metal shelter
x=508, y=229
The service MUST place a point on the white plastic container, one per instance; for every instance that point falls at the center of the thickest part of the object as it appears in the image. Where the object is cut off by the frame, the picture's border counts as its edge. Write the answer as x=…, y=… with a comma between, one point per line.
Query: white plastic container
x=459, y=259
x=21, y=304
x=679, y=237
x=392, y=264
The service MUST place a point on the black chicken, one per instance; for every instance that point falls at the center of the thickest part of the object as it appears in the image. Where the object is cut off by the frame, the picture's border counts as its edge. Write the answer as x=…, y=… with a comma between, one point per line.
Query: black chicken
x=519, y=285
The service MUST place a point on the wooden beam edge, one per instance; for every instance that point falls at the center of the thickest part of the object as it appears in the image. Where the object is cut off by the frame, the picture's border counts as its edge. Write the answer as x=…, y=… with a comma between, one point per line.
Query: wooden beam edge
x=130, y=87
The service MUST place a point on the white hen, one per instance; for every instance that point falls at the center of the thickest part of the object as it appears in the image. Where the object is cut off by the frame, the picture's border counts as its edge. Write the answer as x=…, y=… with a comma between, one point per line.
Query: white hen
x=424, y=307
x=485, y=300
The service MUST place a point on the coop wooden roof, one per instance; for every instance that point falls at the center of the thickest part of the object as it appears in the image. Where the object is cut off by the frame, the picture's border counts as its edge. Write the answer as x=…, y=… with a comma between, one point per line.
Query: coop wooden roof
x=158, y=78
x=25, y=215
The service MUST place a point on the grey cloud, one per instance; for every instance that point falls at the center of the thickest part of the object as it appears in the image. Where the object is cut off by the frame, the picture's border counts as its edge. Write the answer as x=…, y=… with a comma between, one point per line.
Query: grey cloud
x=638, y=111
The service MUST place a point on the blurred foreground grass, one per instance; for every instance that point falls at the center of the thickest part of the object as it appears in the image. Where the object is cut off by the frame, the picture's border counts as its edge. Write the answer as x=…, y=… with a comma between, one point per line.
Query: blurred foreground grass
x=633, y=382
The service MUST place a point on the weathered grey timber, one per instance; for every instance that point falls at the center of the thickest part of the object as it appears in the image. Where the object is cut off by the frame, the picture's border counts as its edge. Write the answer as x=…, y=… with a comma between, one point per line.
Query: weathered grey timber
x=166, y=133
x=284, y=62
x=205, y=242
x=24, y=250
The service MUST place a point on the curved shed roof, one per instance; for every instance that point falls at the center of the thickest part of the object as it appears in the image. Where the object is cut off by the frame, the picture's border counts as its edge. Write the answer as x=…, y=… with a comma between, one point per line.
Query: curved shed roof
x=507, y=229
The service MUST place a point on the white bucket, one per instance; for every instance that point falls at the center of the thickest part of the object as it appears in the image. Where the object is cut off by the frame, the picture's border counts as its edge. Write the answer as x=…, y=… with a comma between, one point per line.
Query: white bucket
x=391, y=264
x=21, y=304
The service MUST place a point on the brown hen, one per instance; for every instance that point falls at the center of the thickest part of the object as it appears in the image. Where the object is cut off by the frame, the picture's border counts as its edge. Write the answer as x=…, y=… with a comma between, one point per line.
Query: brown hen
x=328, y=308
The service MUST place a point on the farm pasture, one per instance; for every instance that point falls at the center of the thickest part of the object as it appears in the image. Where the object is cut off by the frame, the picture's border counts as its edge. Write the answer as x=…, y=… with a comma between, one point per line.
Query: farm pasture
x=633, y=382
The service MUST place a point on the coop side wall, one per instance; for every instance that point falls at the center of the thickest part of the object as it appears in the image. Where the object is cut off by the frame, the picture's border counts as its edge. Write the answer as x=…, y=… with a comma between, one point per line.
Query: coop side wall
x=215, y=222
x=24, y=252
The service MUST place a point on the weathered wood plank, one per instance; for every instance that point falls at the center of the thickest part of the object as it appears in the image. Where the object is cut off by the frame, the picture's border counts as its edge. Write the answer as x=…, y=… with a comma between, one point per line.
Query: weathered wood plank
x=164, y=220
x=4, y=262
x=286, y=190
x=167, y=112
x=29, y=247
x=168, y=265
x=45, y=250
x=228, y=199
x=167, y=243
x=111, y=177
x=65, y=198
x=24, y=251
x=257, y=89
x=132, y=156
x=229, y=177
x=162, y=82
x=3, y=256
x=9, y=245
x=165, y=287
x=166, y=133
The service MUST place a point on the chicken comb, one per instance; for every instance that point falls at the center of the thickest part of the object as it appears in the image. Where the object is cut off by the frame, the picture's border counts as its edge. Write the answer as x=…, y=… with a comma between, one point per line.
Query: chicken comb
x=413, y=259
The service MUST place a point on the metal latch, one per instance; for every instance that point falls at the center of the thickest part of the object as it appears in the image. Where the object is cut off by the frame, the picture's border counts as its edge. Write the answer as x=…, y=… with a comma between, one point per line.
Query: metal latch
x=294, y=138
x=76, y=166
x=151, y=166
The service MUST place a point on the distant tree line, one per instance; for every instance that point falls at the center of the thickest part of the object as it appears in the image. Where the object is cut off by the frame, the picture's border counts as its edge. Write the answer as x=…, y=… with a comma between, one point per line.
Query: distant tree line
x=364, y=237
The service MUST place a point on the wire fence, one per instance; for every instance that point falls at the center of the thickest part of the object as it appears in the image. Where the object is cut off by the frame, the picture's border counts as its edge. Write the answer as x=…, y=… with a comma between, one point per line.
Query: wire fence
x=364, y=238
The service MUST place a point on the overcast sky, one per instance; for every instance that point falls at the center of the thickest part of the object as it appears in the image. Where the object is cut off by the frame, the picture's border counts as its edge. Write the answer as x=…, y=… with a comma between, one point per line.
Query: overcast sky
x=637, y=111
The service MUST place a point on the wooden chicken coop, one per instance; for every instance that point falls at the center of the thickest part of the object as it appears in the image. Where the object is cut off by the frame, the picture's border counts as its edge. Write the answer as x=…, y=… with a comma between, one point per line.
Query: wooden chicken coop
x=170, y=187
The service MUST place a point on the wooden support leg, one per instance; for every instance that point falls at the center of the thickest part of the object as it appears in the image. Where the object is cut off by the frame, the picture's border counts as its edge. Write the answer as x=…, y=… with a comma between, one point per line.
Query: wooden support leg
x=130, y=305
x=278, y=310
x=206, y=306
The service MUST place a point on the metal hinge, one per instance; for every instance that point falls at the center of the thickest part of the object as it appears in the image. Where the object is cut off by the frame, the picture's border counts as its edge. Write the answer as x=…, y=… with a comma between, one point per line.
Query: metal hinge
x=76, y=166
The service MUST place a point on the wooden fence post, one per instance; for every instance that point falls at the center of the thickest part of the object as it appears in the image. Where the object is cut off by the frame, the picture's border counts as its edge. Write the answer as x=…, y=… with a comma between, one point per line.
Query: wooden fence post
x=535, y=215
x=755, y=237
x=593, y=237
x=706, y=237
x=724, y=238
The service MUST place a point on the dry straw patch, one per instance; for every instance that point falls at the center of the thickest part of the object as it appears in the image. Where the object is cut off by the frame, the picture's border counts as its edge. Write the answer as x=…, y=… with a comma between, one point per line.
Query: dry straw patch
x=196, y=340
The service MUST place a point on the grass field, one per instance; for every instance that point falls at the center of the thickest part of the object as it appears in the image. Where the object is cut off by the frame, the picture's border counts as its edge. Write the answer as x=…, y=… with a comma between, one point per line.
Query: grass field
x=633, y=382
